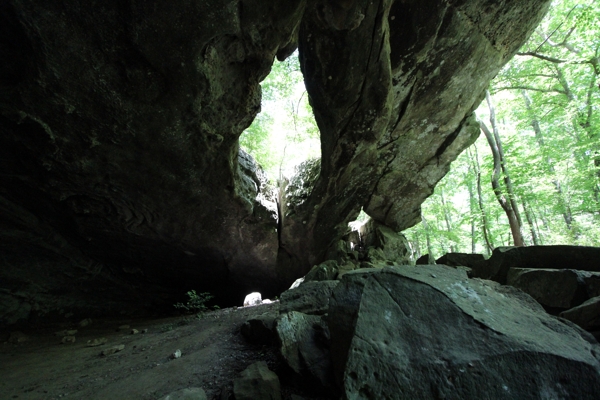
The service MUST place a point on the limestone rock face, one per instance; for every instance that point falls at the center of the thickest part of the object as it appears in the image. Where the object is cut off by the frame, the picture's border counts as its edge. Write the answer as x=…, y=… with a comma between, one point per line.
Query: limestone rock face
x=428, y=332
x=121, y=182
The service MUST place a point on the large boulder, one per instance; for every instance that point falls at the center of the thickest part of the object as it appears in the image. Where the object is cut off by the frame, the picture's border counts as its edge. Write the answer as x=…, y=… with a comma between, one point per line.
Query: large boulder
x=383, y=243
x=304, y=344
x=429, y=332
x=556, y=289
x=461, y=259
x=541, y=257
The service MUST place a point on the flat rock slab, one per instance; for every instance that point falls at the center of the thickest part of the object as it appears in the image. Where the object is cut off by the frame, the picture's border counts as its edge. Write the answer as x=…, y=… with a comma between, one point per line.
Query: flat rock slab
x=429, y=332
x=545, y=257
x=556, y=288
x=461, y=259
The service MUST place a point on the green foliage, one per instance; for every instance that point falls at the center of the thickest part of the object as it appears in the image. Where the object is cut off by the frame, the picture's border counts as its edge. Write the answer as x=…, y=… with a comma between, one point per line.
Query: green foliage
x=196, y=302
x=284, y=133
x=554, y=83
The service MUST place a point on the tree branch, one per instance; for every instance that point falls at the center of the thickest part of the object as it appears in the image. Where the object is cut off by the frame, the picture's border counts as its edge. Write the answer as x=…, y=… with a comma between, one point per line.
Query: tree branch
x=529, y=88
x=542, y=57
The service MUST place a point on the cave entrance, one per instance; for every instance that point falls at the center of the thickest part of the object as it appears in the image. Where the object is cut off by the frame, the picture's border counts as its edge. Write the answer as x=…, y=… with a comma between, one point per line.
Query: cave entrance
x=284, y=133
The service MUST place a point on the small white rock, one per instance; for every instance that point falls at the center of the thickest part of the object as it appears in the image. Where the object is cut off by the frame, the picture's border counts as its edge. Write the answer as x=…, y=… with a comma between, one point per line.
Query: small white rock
x=176, y=354
x=253, y=299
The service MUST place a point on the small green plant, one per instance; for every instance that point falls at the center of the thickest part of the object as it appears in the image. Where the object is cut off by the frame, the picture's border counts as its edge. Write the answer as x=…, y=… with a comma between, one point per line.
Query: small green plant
x=196, y=302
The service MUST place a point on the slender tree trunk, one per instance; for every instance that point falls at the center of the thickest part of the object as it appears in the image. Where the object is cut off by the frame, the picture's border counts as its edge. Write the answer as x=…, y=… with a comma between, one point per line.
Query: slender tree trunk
x=507, y=205
x=530, y=221
x=512, y=197
x=474, y=158
x=428, y=239
x=417, y=248
x=472, y=211
x=447, y=217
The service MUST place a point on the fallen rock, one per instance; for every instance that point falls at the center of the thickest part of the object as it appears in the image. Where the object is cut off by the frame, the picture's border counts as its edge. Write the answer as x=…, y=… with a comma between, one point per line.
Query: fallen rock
x=112, y=350
x=326, y=271
x=308, y=298
x=586, y=315
x=538, y=257
x=461, y=260
x=429, y=332
x=303, y=342
x=383, y=243
x=96, y=342
x=134, y=331
x=259, y=330
x=423, y=260
x=257, y=383
x=186, y=394
x=556, y=288
x=176, y=354
x=253, y=299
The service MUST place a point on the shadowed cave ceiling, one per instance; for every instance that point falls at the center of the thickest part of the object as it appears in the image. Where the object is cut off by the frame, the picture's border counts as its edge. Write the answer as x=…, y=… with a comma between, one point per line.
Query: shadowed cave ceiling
x=121, y=179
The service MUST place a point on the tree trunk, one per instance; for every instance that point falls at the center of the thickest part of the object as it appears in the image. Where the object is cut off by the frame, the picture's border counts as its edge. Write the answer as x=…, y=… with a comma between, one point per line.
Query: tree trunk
x=472, y=211
x=428, y=238
x=484, y=220
x=447, y=218
x=530, y=221
x=506, y=205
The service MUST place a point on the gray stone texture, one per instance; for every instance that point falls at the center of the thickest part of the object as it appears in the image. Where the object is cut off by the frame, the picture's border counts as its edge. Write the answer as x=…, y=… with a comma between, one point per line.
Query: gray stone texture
x=308, y=298
x=304, y=344
x=586, y=315
x=549, y=257
x=257, y=382
x=429, y=332
x=556, y=288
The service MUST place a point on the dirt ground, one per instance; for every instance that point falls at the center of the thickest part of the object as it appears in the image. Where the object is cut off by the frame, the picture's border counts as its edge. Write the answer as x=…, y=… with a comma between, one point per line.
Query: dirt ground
x=213, y=353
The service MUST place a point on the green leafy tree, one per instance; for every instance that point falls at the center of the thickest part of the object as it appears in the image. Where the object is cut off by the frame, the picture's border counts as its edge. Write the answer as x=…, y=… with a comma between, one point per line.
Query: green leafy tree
x=284, y=133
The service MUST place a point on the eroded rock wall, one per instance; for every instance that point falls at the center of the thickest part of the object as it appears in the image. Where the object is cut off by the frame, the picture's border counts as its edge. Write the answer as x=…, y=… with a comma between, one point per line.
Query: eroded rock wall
x=393, y=85
x=118, y=147
x=121, y=182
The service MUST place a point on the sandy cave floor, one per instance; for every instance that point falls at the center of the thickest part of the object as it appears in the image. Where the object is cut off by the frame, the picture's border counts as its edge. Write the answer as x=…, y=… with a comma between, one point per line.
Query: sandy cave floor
x=213, y=355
